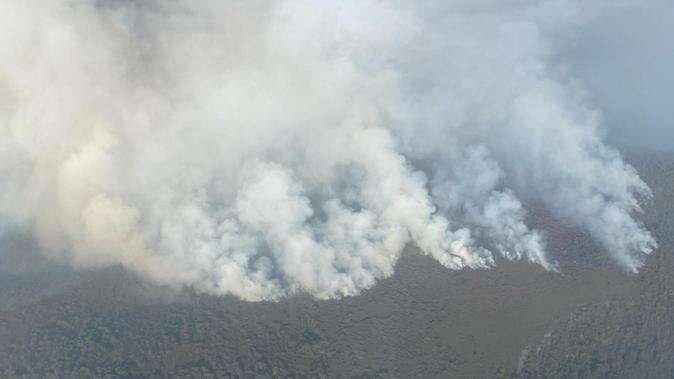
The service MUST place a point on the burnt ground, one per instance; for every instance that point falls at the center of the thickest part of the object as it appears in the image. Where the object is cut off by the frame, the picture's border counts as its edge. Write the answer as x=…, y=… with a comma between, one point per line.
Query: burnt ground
x=589, y=320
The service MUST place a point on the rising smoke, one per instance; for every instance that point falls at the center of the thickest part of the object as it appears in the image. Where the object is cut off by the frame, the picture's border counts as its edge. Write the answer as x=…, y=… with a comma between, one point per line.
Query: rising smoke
x=261, y=148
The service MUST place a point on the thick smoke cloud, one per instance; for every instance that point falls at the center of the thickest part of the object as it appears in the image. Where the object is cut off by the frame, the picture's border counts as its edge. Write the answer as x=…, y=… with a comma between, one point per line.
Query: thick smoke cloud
x=268, y=147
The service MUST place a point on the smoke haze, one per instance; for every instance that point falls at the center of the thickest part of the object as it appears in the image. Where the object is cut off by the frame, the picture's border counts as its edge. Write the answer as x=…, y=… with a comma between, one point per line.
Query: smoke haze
x=263, y=148
x=625, y=59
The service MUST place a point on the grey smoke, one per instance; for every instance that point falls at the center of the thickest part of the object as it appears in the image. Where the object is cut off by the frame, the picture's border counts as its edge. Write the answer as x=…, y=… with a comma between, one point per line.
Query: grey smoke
x=264, y=148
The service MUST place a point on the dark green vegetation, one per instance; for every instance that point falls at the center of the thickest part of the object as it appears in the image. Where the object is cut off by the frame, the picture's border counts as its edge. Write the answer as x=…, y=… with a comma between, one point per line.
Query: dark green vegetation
x=590, y=320
x=632, y=336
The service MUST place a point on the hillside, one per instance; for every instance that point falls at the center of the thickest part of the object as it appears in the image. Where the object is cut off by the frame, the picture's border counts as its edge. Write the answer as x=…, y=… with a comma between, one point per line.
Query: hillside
x=516, y=320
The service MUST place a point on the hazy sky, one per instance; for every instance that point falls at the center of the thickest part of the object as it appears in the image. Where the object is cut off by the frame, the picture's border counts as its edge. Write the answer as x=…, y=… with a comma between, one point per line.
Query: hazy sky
x=625, y=57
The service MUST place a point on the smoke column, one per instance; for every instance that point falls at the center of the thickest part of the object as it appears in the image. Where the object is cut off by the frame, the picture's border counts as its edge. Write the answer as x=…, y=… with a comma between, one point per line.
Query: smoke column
x=262, y=148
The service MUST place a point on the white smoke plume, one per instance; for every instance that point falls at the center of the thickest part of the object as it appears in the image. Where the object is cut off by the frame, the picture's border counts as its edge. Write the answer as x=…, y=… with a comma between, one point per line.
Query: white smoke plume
x=261, y=148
